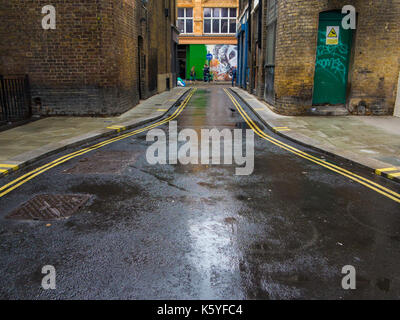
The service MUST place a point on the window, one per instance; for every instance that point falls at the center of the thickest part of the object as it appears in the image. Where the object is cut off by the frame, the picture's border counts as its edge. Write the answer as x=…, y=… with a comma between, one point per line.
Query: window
x=220, y=20
x=271, y=11
x=271, y=32
x=272, y=15
x=185, y=20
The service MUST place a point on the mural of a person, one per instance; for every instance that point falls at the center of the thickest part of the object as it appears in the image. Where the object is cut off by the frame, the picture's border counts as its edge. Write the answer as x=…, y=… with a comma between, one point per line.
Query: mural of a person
x=224, y=59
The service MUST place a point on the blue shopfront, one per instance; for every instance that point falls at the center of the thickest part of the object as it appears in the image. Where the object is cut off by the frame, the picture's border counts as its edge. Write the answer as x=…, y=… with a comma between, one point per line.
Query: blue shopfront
x=242, y=36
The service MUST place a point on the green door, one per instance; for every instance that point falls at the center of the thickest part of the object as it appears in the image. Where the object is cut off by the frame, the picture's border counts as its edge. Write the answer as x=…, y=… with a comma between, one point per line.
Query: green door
x=332, y=62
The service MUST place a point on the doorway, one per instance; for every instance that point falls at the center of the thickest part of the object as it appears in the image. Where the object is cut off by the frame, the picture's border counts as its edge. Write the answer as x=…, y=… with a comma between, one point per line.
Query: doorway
x=141, y=68
x=332, y=61
x=182, y=52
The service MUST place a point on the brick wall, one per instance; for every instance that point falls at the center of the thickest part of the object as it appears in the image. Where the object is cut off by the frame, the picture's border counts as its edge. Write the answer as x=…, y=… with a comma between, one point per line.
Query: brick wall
x=89, y=64
x=198, y=7
x=121, y=27
x=161, y=44
x=376, y=56
x=374, y=68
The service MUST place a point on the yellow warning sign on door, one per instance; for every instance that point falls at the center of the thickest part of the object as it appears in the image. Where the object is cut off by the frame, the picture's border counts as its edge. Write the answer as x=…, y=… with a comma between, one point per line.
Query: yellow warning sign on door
x=332, y=35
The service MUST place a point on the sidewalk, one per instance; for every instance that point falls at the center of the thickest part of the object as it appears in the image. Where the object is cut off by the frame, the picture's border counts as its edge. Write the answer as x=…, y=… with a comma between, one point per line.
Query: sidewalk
x=373, y=142
x=33, y=141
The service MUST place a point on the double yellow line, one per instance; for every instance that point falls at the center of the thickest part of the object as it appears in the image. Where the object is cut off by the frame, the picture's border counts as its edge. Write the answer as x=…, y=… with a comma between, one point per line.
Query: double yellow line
x=7, y=188
x=365, y=182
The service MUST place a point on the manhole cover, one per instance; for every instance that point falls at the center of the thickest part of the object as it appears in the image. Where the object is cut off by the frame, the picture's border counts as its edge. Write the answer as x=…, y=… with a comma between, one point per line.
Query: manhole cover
x=49, y=207
x=105, y=162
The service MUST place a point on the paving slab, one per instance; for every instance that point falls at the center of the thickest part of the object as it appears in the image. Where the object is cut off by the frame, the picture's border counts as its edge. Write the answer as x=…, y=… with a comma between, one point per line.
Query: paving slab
x=25, y=144
x=372, y=142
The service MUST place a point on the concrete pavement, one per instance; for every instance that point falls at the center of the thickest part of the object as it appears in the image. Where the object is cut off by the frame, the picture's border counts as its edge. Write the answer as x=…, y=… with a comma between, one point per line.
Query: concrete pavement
x=372, y=142
x=25, y=144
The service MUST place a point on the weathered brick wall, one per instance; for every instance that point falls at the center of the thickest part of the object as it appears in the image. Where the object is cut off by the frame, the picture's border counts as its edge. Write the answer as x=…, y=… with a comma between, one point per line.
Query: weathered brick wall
x=161, y=43
x=376, y=56
x=120, y=56
x=62, y=64
x=87, y=66
x=374, y=69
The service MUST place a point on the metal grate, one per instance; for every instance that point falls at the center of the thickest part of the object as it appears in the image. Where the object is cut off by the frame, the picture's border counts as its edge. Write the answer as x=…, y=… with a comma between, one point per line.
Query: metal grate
x=48, y=207
x=103, y=162
x=14, y=98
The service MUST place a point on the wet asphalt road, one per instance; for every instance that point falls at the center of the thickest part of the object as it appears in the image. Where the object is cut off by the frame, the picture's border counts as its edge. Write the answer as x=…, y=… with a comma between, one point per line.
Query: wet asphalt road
x=201, y=232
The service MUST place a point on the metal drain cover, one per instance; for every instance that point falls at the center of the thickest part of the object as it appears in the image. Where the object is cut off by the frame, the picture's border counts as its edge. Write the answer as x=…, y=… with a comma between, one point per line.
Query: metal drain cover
x=105, y=162
x=48, y=207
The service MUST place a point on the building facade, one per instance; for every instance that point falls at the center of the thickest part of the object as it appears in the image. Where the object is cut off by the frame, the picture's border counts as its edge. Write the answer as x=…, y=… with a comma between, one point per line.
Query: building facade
x=102, y=58
x=298, y=57
x=207, y=27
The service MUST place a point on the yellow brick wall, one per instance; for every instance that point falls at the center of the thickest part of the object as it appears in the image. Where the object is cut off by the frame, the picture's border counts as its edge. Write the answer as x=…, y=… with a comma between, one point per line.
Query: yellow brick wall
x=374, y=67
x=198, y=6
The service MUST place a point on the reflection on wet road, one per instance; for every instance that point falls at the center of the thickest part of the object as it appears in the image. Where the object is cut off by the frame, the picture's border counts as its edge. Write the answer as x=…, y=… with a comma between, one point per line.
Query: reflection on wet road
x=200, y=231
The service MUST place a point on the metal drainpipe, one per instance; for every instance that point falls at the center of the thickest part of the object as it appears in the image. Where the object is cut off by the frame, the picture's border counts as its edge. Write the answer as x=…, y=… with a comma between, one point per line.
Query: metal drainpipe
x=250, y=56
x=167, y=80
x=260, y=16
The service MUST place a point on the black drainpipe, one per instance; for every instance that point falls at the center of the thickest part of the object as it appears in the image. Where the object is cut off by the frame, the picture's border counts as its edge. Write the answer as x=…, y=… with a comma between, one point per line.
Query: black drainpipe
x=249, y=25
x=250, y=56
x=260, y=16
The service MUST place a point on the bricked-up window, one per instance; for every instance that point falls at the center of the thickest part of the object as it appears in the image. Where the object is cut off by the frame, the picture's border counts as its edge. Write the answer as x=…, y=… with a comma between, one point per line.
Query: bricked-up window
x=271, y=11
x=185, y=20
x=271, y=32
x=272, y=16
x=220, y=20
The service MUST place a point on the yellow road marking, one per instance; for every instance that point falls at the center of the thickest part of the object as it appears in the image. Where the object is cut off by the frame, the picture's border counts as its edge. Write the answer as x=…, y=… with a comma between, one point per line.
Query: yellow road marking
x=163, y=110
x=8, y=165
x=380, y=171
x=279, y=129
x=34, y=173
x=118, y=128
x=363, y=181
x=394, y=175
x=315, y=158
x=3, y=170
x=83, y=151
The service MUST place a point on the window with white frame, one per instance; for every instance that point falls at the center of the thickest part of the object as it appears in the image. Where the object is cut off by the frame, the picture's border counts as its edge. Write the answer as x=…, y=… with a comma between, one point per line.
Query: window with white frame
x=185, y=20
x=220, y=20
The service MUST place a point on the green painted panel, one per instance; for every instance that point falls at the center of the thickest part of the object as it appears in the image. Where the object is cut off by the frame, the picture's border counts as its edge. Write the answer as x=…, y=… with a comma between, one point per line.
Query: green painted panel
x=332, y=61
x=196, y=56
